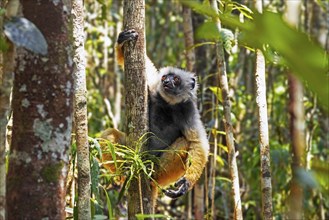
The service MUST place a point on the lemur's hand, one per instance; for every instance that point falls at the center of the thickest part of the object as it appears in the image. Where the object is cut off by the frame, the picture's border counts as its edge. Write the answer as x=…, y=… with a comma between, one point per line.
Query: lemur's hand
x=127, y=35
x=182, y=184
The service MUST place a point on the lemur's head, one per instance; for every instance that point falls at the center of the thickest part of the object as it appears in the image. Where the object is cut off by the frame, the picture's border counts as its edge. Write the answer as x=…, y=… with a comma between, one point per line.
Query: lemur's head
x=177, y=85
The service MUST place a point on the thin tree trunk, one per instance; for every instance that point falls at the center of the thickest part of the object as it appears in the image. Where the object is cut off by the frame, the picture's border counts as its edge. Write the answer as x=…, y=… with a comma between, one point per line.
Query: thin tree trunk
x=6, y=82
x=297, y=130
x=42, y=118
x=80, y=110
x=136, y=101
x=189, y=38
x=4, y=107
x=264, y=145
x=228, y=122
x=297, y=127
x=198, y=190
x=117, y=7
x=190, y=60
x=8, y=61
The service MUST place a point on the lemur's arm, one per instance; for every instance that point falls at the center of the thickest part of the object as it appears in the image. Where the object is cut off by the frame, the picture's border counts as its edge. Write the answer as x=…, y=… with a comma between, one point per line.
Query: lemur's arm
x=197, y=158
x=151, y=71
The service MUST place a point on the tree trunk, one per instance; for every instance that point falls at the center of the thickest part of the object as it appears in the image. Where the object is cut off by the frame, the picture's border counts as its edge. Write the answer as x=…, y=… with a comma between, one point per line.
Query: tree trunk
x=227, y=121
x=117, y=6
x=297, y=128
x=189, y=39
x=42, y=118
x=7, y=61
x=264, y=145
x=80, y=110
x=297, y=131
x=136, y=101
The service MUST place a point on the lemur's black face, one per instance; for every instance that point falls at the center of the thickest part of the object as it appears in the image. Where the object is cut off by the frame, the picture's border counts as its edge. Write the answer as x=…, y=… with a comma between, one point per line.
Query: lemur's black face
x=174, y=84
x=171, y=83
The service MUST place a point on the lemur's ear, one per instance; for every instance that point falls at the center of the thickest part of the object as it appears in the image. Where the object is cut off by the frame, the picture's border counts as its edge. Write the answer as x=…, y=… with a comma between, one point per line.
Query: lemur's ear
x=192, y=83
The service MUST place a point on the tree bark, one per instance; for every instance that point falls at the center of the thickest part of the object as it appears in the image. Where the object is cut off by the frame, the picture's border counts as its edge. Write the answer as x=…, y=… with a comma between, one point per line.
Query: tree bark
x=42, y=118
x=80, y=105
x=189, y=38
x=136, y=101
x=197, y=205
x=264, y=145
x=297, y=127
x=297, y=131
x=227, y=121
x=117, y=6
x=7, y=60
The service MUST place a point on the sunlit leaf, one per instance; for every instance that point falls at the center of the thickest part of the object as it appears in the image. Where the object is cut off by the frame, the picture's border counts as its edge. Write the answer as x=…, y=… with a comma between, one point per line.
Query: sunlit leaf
x=305, y=58
x=225, y=148
x=220, y=160
x=108, y=203
x=217, y=92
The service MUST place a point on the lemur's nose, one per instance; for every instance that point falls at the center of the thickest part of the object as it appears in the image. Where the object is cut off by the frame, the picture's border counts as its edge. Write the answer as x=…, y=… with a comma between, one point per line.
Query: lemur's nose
x=166, y=81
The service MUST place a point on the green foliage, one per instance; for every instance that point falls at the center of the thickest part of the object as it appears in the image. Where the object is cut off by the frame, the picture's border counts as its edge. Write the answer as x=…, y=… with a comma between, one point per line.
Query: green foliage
x=283, y=47
x=130, y=162
x=217, y=92
x=306, y=59
x=151, y=216
x=3, y=44
x=109, y=203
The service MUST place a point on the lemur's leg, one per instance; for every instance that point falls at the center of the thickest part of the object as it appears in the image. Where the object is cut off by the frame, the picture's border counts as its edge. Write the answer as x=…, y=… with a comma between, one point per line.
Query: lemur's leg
x=172, y=163
x=115, y=137
x=197, y=158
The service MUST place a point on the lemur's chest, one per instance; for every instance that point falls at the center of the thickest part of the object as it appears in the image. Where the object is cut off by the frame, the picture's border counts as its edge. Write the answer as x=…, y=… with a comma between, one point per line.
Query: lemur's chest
x=175, y=117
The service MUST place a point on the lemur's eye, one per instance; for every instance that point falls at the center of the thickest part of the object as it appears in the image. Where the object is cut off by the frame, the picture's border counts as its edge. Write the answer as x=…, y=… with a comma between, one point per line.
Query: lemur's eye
x=176, y=79
x=163, y=78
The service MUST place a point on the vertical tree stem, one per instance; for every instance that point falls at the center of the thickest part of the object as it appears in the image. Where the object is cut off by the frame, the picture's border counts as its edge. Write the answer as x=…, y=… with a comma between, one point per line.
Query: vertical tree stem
x=81, y=123
x=228, y=122
x=266, y=184
x=136, y=101
x=264, y=145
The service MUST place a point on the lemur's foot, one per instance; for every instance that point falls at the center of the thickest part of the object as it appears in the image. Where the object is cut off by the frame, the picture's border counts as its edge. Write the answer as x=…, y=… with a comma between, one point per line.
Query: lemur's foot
x=127, y=35
x=183, y=186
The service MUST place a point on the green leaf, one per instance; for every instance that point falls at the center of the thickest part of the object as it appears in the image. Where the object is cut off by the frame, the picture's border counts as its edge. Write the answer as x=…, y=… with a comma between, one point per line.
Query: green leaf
x=3, y=44
x=225, y=148
x=204, y=9
x=108, y=203
x=94, y=172
x=220, y=160
x=306, y=59
x=208, y=31
x=96, y=145
x=151, y=216
x=217, y=92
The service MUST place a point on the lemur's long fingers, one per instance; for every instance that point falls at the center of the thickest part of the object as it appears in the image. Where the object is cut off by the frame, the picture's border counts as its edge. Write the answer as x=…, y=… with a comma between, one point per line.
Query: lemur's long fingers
x=183, y=184
x=180, y=182
x=127, y=35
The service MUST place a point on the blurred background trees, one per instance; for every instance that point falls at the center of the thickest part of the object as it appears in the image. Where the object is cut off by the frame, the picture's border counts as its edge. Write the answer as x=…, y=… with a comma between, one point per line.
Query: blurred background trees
x=286, y=51
x=166, y=46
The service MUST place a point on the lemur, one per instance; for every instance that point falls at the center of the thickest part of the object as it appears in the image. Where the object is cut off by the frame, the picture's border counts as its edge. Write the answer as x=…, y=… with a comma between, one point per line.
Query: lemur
x=180, y=141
